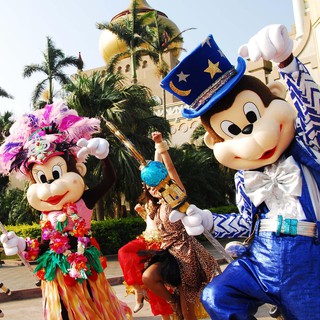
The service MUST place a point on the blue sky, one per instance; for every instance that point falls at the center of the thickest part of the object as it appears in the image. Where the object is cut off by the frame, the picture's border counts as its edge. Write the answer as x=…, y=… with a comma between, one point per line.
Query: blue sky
x=24, y=26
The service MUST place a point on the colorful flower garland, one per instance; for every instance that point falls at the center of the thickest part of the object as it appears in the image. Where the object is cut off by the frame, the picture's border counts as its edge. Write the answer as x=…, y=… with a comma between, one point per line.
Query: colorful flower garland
x=74, y=264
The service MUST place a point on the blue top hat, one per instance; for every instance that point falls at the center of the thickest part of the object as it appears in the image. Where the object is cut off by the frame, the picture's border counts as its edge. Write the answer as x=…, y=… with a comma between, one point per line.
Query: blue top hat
x=203, y=78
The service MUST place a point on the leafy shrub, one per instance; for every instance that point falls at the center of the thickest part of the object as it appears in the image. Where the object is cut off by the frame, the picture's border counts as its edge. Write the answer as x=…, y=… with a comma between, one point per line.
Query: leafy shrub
x=23, y=230
x=111, y=234
x=15, y=209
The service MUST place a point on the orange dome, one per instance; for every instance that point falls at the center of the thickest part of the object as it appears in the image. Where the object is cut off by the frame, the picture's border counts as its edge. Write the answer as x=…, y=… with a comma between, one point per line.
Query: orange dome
x=109, y=44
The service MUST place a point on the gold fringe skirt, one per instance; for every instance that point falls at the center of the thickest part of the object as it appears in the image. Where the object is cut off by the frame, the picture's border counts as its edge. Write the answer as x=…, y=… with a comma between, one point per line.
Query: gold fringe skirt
x=81, y=303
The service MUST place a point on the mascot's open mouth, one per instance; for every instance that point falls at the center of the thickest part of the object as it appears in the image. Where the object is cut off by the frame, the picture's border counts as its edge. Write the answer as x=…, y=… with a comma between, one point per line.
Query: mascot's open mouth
x=268, y=154
x=55, y=199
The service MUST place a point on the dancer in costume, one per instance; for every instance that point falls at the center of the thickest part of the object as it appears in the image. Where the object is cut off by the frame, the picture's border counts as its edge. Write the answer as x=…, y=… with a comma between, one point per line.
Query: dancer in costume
x=133, y=264
x=276, y=150
x=49, y=146
x=182, y=262
x=133, y=261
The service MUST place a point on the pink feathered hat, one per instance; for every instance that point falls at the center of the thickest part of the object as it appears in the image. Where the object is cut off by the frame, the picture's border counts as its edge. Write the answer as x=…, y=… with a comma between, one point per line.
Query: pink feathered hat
x=37, y=136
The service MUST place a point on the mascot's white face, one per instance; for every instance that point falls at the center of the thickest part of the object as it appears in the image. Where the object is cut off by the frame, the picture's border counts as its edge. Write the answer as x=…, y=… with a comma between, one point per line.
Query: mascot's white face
x=54, y=186
x=254, y=136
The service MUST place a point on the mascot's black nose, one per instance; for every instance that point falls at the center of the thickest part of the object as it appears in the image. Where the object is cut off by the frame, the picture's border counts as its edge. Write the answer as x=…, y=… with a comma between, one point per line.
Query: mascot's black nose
x=247, y=129
x=50, y=181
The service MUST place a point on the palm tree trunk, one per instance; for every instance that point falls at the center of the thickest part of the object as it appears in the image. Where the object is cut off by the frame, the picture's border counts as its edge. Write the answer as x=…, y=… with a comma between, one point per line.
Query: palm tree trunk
x=100, y=210
x=132, y=205
x=164, y=103
x=117, y=205
x=50, y=96
x=134, y=68
x=117, y=211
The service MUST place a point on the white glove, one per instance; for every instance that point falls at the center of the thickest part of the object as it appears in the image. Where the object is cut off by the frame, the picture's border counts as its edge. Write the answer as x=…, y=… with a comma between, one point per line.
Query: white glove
x=270, y=43
x=12, y=244
x=194, y=220
x=97, y=147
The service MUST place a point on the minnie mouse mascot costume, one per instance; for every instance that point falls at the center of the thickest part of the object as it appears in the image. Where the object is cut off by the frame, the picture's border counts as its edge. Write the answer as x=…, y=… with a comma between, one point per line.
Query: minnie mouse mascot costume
x=49, y=146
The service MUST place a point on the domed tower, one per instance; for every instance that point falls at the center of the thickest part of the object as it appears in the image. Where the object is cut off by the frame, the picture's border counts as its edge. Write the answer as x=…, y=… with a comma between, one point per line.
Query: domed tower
x=109, y=45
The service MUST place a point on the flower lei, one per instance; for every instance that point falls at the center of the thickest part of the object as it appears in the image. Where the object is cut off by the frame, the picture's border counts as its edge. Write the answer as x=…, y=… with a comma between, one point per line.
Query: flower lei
x=32, y=249
x=59, y=241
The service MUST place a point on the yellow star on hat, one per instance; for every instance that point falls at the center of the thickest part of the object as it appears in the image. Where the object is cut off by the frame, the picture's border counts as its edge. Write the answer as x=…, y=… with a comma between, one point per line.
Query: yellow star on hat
x=213, y=68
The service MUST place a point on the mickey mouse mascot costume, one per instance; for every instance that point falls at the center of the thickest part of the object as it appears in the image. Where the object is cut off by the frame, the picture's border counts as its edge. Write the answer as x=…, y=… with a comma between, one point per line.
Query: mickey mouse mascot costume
x=275, y=150
x=49, y=146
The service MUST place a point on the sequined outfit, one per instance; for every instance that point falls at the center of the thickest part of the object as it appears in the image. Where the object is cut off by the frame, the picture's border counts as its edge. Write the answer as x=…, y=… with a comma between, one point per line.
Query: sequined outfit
x=280, y=268
x=196, y=264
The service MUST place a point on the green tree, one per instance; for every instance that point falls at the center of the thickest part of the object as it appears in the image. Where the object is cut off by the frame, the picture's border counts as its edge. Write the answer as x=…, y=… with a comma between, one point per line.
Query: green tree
x=5, y=124
x=161, y=40
x=208, y=184
x=18, y=209
x=14, y=207
x=54, y=62
x=130, y=108
x=132, y=29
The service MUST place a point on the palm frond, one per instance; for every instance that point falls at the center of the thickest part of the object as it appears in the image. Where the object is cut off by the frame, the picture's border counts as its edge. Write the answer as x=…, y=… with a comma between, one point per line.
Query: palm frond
x=115, y=59
x=61, y=77
x=30, y=69
x=54, y=60
x=5, y=94
x=40, y=87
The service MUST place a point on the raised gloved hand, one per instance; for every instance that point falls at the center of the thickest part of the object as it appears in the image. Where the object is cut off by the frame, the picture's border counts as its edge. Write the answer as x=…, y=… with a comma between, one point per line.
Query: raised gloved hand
x=12, y=244
x=270, y=43
x=194, y=220
x=97, y=147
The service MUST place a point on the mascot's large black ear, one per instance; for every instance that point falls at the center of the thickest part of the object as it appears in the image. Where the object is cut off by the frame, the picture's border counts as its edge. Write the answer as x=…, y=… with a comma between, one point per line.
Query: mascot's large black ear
x=278, y=89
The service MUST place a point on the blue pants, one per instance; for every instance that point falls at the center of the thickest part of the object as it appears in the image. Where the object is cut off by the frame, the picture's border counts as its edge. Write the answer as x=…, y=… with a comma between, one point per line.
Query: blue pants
x=279, y=270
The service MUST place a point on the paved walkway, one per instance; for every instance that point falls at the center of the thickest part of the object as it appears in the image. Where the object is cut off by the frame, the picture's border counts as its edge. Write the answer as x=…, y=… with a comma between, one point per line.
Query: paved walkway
x=25, y=300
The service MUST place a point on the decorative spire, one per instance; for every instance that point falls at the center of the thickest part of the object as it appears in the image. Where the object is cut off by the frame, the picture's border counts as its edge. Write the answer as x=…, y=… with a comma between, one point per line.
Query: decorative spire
x=141, y=4
x=80, y=63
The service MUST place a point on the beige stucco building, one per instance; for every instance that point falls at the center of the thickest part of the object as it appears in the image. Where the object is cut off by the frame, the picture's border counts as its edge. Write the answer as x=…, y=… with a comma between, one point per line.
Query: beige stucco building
x=306, y=35
x=305, y=32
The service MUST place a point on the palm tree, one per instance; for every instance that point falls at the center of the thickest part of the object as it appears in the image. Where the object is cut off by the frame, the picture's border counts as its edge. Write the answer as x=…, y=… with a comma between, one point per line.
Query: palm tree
x=145, y=35
x=52, y=67
x=131, y=30
x=130, y=108
x=208, y=184
x=161, y=40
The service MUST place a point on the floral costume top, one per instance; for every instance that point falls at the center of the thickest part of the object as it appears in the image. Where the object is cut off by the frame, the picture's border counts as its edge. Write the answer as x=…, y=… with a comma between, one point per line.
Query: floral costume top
x=70, y=247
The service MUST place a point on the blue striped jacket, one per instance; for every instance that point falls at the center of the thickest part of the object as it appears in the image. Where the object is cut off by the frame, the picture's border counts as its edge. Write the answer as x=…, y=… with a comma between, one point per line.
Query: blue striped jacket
x=305, y=94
